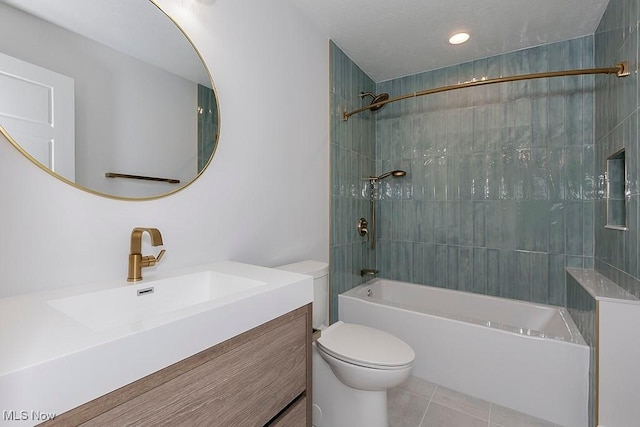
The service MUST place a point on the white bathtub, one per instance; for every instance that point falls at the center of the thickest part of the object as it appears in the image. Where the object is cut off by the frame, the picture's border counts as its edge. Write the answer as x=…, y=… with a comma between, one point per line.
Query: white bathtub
x=528, y=357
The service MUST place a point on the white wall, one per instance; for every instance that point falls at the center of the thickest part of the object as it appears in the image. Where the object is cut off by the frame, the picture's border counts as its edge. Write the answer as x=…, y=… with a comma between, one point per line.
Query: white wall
x=263, y=199
x=131, y=117
x=618, y=355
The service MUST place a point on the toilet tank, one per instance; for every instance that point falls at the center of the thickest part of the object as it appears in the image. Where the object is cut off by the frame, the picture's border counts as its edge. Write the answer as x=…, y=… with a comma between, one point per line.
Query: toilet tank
x=320, y=272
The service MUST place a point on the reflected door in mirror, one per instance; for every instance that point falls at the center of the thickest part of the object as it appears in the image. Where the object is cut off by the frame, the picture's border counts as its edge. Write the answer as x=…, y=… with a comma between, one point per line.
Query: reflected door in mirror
x=37, y=108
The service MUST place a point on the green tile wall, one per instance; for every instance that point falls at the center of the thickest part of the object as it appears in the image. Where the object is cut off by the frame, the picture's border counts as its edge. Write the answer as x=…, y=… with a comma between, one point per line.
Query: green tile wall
x=499, y=195
x=616, y=127
x=582, y=308
x=506, y=183
x=207, y=125
x=352, y=159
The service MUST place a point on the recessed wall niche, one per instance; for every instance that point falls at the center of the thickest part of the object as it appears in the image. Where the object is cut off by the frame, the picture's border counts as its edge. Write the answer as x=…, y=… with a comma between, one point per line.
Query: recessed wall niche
x=616, y=191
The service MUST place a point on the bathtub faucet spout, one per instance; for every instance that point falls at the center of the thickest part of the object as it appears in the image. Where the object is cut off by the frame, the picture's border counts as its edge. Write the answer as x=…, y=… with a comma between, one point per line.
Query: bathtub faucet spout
x=369, y=273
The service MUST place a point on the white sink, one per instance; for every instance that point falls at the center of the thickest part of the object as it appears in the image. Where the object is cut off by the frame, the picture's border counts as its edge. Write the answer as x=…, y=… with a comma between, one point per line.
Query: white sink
x=102, y=336
x=138, y=305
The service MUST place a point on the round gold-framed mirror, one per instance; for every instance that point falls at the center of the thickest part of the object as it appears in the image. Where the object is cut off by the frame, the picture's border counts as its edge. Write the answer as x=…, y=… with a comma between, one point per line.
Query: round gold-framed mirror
x=110, y=96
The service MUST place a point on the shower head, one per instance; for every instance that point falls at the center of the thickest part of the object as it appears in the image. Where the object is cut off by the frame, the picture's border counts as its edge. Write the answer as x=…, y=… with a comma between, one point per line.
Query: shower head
x=395, y=174
x=375, y=99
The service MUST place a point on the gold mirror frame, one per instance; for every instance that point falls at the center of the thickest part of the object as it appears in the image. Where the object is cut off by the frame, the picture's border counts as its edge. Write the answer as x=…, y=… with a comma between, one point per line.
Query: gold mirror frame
x=13, y=142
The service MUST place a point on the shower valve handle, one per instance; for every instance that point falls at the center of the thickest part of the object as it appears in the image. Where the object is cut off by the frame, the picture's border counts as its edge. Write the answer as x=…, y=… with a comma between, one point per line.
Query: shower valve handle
x=363, y=227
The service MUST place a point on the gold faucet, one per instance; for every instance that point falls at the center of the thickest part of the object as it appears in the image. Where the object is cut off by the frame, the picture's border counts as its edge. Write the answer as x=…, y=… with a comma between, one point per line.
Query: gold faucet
x=136, y=260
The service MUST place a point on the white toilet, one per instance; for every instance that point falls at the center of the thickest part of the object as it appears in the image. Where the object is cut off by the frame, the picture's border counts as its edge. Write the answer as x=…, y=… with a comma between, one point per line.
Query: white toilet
x=353, y=365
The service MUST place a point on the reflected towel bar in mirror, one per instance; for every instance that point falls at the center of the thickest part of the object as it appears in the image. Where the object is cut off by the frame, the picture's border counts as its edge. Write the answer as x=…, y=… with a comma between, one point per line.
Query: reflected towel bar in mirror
x=144, y=178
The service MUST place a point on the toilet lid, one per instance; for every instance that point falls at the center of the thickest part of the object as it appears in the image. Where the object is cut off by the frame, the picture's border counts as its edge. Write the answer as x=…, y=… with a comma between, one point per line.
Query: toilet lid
x=364, y=346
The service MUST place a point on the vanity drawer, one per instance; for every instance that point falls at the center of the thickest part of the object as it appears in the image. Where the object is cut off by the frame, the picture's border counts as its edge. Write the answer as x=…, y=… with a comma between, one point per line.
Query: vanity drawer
x=294, y=416
x=245, y=386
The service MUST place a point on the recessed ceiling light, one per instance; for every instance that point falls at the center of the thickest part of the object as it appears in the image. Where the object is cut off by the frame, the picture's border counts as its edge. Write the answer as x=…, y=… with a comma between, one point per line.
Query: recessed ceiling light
x=459, y=38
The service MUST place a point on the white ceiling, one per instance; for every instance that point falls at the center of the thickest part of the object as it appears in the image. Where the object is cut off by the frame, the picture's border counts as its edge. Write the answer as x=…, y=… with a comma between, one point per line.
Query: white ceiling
x=395, y=38
x=386, y=38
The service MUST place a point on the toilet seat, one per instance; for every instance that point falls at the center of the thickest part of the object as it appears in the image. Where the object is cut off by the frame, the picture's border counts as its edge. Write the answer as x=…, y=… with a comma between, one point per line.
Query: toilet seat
x=364, y=346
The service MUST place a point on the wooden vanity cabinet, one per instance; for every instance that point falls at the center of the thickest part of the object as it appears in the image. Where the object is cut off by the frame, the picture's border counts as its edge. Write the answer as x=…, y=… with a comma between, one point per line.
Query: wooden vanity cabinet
x=294, y=416
x=259, y=378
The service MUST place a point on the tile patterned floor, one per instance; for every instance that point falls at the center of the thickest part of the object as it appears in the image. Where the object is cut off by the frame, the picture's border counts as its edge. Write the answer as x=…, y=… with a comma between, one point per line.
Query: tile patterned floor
x=419, y=403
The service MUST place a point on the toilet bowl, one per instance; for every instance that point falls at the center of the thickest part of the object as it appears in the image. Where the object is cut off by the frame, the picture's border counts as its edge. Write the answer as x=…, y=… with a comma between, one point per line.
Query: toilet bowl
x=353, y=365
x=365, y=358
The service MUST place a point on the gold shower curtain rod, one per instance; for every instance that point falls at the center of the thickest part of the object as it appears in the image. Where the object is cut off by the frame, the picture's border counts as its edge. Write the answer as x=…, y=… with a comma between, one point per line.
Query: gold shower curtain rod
x=620, y=70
